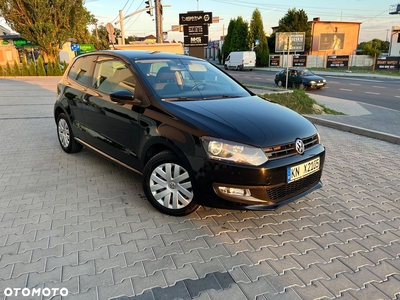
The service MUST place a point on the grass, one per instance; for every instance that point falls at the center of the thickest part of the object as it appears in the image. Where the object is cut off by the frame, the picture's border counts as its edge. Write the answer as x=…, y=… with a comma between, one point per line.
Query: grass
x=299, y=101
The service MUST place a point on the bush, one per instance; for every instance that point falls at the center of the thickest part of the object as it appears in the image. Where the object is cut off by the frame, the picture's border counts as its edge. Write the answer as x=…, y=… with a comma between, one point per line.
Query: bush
x=17, y=70
x=40, y=67
x=8, y=70
x=25, y=70
x=32, y=69
x=1, y=71
x=57, y=69
x=50, y=69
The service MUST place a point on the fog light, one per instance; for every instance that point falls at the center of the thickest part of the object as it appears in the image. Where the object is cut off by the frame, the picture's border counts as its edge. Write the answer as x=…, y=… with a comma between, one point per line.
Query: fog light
x=234, y=191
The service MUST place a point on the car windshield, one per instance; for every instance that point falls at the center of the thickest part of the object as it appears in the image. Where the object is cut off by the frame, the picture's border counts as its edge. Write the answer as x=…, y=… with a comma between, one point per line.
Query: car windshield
x=306, y=72
x=188, y=79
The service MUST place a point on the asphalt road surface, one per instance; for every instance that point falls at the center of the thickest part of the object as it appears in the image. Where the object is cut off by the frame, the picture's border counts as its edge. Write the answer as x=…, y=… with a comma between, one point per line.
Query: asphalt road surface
x=381, y=92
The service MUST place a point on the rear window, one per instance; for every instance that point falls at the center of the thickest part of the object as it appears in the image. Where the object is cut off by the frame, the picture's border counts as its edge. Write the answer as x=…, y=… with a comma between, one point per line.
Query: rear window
x=80, y=71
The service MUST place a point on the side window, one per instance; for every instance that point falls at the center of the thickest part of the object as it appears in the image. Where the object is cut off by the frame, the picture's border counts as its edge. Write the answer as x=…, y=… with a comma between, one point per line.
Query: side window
x=80, y=70
x=111, y=75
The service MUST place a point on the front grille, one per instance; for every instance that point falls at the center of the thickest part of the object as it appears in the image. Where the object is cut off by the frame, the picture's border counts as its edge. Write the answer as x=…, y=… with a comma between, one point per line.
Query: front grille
x=294, y=188
x=289, y=149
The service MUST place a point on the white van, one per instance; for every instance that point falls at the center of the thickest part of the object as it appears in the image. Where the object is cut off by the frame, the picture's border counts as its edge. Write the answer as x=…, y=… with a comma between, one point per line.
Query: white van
x=240, y=60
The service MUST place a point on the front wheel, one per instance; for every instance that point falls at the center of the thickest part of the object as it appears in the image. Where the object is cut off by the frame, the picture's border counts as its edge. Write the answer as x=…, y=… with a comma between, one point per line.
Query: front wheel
x=279, y=83
x=168, y=185
x=66, y=136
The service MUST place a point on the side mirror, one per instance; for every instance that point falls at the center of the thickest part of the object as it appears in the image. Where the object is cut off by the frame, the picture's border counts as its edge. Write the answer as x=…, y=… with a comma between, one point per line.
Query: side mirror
x=124, y=97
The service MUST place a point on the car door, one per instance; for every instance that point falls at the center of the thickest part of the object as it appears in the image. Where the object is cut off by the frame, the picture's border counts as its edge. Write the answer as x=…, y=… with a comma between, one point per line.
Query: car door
x=112, y=127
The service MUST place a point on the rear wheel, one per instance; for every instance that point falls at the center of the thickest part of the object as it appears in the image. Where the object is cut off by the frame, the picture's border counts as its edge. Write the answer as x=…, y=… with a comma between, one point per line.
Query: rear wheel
x=66, y=136
x=168, y=185
x=279, y=83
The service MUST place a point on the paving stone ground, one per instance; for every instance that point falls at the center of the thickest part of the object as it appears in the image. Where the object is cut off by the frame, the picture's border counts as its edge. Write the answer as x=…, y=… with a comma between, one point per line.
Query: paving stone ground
x=82, y=223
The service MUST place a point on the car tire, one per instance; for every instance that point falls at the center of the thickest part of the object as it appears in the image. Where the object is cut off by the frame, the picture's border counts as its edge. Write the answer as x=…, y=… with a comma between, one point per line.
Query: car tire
x=279, y=83
x=168, y=185
x=225, y=67
x=66, y=136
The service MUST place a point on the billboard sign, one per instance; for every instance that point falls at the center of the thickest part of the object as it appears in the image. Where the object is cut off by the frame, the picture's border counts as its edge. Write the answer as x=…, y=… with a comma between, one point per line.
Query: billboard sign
x=331, y=41
x=290, y=41
x=274, y=60
x=189, y=30
x=387, y=63
x=192, y=41
x=300, y=61
x=337, y=61
x=195, y=18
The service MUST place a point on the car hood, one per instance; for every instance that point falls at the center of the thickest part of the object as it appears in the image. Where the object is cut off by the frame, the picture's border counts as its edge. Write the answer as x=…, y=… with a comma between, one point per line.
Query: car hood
x=250, y=120
x=312, y=77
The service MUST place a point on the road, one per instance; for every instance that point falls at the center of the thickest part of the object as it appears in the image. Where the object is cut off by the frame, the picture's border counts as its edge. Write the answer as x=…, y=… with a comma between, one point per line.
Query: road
x=381, y=92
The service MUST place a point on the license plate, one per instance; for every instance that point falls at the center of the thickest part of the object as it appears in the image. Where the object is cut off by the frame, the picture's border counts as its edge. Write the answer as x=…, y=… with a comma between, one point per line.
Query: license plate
x=320, y=84
x=302, y=170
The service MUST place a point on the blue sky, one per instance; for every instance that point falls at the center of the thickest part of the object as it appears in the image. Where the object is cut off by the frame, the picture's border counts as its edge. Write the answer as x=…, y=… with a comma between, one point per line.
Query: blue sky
x=372, y=14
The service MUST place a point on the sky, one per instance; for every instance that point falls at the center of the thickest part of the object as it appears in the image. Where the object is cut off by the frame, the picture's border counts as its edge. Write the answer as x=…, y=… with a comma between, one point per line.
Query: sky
x=374, y=15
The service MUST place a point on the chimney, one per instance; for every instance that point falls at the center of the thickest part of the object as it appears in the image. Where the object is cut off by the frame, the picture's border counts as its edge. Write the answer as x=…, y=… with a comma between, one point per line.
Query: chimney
x=317, y=19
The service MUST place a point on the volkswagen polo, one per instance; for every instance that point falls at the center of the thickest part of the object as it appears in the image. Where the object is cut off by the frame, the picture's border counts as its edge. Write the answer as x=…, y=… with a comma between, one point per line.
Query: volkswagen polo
x=195, y=134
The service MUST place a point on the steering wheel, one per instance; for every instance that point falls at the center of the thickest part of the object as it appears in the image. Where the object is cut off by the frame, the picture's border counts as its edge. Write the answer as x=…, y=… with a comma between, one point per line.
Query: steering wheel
x=198, y=85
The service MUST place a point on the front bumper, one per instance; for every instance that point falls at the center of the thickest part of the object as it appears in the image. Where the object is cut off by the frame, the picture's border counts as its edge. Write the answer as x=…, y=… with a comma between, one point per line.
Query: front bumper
x=265, y=187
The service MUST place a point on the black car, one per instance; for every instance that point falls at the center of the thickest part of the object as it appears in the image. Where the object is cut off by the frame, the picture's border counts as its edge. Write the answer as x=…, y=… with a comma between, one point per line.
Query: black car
x=299, y=78
x=196, y=135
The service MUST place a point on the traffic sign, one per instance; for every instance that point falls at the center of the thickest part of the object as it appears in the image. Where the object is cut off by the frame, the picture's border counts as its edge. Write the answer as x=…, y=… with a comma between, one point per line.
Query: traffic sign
x=75, y=47
x=195, y=18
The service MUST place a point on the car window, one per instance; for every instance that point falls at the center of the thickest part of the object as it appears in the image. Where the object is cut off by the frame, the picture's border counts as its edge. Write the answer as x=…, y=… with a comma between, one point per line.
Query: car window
x=188, y=78
x=111, y=74
x=80, y=70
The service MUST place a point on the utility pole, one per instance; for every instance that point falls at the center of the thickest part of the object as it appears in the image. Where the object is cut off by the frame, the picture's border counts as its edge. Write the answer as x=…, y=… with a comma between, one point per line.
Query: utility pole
x=121, y=17
x=158, y=10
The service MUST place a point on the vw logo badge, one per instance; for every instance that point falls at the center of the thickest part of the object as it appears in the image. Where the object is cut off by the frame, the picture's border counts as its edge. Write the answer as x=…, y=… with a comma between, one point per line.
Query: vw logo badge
x=299, y=146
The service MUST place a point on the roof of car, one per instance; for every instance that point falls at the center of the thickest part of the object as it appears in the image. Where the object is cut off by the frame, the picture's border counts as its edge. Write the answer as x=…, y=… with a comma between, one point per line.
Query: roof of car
x=141, y=54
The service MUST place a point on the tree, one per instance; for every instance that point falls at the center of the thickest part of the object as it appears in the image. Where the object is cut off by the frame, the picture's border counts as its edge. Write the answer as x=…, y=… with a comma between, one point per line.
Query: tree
x=240, y=38
x=41, y=71
x=257, y=33
x=226, y=46
x=8, y=70
x=293, y=21
x=374, y=47
x=25, y=70
x=48, y=23
x=102, y=39
x=32, y=69
x=16, y=69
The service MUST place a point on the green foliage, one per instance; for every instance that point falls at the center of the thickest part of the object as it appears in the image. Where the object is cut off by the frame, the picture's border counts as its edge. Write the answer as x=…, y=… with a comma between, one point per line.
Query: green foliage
x=50, y=69
x=32, y=69
x=240, y=37
x=41, y=71
x=300, y=102
x=226, y=46
x=257, y=33
x=1, y=70
x=25, y=70
x=65, y=66
x=16, y=70
x=48, y=24
x=57, y=68
x=8, y=70
x=374, y=47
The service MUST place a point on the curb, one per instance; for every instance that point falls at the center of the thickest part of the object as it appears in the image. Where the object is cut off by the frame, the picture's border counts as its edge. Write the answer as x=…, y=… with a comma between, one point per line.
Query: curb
x=394, y=139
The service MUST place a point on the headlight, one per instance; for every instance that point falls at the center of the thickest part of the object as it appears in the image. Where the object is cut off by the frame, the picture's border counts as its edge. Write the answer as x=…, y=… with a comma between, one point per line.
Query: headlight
x=233, y=152
x=324, y=80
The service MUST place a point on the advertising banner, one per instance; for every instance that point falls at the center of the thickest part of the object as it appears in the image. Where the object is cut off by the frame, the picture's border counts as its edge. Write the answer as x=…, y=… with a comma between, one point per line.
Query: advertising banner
x=292, y=41
x=387, y=63
x=300, y=61
x=274, y=60
x=331, y=41
x=337, y=61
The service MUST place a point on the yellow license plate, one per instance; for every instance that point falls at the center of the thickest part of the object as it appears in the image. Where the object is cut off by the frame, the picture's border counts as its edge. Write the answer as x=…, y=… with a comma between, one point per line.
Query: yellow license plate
x=300, y=171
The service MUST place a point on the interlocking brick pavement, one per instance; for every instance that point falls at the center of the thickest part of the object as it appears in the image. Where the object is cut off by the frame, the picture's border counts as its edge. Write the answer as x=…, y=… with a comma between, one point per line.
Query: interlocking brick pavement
x=80, y=222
